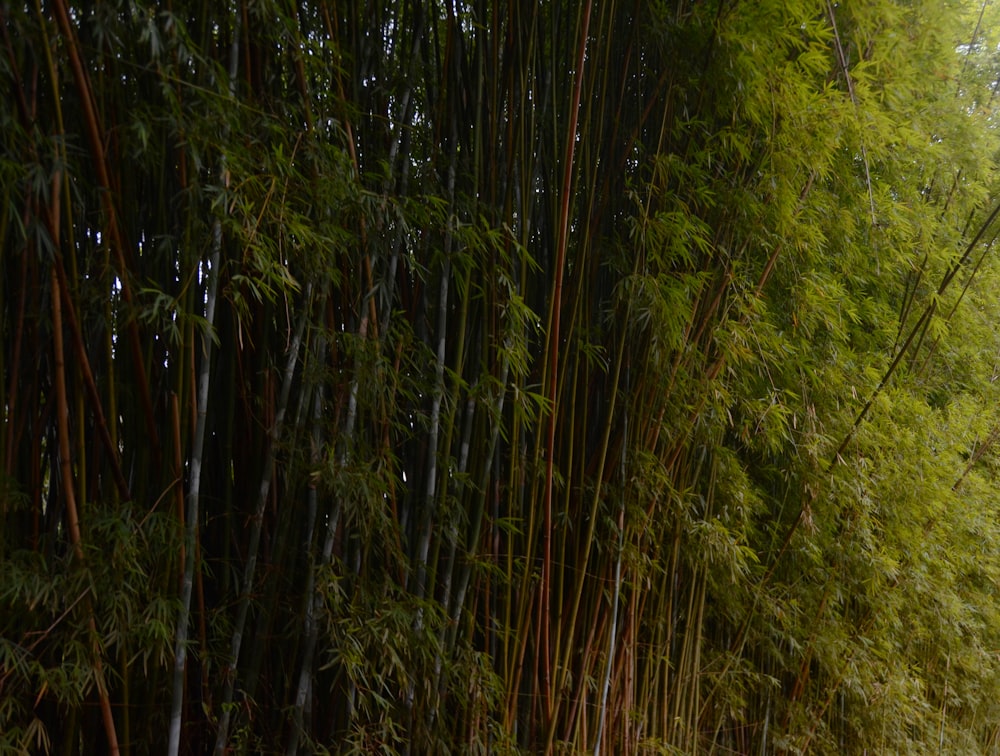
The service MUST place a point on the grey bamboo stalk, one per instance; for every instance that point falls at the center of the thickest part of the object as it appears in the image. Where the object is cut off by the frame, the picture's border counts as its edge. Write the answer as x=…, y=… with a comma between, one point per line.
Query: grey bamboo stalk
x=475, y=527
x=250, y=568
x=309, y=628
x=455, y=484
x=427, y=521
x=452, y=545
x=198, y=448
x=452, y=76
x=193, y=504
x=452, y=528
x=399, y=143
x=426, y=525
x=333, y=522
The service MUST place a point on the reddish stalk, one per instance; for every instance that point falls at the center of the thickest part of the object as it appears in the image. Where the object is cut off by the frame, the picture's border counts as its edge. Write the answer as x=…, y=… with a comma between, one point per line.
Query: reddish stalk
x=94, y=137
x=88, y=381
x=65, y=464
x=563, y=239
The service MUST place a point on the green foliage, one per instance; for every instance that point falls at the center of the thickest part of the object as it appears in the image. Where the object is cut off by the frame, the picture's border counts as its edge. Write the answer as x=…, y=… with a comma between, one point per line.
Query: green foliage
x=48, y=648
x=583, y=376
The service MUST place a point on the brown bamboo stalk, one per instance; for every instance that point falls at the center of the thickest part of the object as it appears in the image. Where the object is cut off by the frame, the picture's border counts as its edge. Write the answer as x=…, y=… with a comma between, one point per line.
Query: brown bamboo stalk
x=88, y=382
x=65, y=463
x=15, y=372
x=27, y=113
x=552, y=366
x=94, y=131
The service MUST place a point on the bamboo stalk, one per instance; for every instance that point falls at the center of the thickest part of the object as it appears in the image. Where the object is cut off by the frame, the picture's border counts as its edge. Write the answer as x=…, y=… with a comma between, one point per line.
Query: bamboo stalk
x=65, y=463
x=95, y=141
x=310, y=628
x=552, y=366
x=606, y=686
x=197, y=455
x=588, y=542
x=89, y=384
x=239, y=626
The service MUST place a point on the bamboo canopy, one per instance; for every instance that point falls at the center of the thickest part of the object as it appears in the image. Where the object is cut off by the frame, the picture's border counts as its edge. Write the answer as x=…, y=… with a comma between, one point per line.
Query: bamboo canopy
x=499, y=377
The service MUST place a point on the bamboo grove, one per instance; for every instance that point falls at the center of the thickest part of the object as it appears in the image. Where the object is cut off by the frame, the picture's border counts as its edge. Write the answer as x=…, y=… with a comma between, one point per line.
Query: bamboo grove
x=496, y=377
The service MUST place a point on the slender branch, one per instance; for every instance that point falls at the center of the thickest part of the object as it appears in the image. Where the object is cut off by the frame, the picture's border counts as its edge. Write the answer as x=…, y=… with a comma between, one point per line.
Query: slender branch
x=842, y=60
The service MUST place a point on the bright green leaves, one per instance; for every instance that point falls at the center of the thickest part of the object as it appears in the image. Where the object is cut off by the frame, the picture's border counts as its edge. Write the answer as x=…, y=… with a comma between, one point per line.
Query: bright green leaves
x=795, y=236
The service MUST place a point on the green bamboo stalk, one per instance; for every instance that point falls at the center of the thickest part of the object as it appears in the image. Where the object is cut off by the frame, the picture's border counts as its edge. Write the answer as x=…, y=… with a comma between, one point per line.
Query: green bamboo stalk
x=606, y=685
